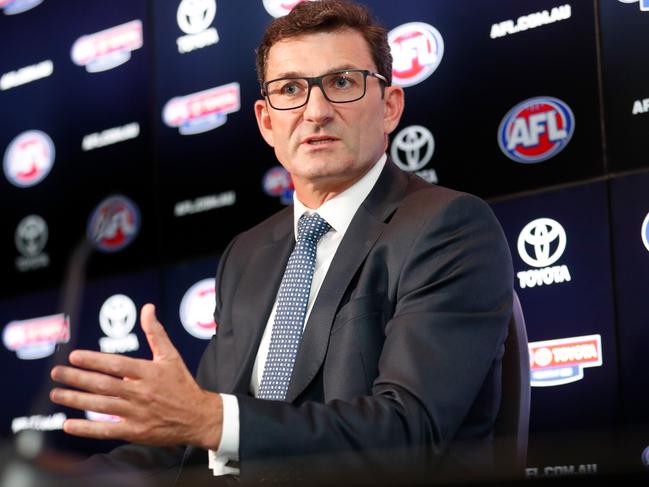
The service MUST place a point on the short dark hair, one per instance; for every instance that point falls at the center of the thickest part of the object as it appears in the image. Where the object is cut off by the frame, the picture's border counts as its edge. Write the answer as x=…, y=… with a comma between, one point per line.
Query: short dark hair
x=327, y=16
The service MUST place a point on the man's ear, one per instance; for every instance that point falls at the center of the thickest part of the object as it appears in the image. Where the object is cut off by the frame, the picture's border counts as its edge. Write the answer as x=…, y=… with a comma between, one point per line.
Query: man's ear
x=263, y=121
x=394, y=103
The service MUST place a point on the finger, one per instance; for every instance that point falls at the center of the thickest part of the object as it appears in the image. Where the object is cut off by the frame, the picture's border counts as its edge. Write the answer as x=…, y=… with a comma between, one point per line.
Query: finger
x=98, y=383
x=109, y=363
x=85, y=401
x=95, y=429
x=159, y=341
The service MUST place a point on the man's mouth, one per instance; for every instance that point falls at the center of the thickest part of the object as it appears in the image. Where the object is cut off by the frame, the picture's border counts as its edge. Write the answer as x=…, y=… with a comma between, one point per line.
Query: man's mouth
x=319, y=140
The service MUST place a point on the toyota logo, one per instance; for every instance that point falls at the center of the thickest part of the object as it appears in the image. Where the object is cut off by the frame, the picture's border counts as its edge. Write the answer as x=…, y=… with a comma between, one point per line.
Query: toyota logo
x=117, y=316
x=413, y=148
x=194, y=16
x=31, y=235
x=542, y=357
x=546, y=237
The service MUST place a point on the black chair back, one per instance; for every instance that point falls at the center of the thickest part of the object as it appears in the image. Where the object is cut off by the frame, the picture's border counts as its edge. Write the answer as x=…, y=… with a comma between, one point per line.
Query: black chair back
x=512, y=424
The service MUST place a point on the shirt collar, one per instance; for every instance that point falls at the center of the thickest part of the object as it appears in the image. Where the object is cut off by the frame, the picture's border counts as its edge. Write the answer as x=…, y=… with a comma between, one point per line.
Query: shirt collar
x=339, y=210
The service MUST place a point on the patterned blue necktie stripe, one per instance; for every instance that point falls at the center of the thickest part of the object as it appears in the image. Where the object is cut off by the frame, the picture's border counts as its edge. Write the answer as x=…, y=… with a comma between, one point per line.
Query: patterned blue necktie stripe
x=292, y=302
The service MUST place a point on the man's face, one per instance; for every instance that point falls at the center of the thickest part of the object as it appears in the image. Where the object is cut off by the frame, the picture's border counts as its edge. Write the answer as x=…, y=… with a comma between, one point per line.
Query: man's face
x=328, y=146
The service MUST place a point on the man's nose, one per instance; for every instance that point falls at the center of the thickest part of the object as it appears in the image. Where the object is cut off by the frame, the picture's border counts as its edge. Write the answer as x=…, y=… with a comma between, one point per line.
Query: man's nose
x=318, y=108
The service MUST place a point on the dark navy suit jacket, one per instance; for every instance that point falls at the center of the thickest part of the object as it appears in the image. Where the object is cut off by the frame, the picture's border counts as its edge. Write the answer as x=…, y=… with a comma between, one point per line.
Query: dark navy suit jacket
x=399, y=365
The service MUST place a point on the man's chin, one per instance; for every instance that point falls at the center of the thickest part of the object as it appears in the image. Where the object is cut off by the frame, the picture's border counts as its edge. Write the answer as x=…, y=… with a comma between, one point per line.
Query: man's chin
x=328, y=179
x=322, y=155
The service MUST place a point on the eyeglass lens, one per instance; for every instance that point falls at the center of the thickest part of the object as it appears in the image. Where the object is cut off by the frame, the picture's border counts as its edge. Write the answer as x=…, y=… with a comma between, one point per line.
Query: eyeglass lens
x=339, y=87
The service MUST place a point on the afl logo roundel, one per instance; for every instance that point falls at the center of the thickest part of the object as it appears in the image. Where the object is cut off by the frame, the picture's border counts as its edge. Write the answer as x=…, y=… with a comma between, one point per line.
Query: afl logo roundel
x=645, y=232
x=536, y=130
x=417, y=49
x=277, y=181
x=197, y=309
x=102, y=417
x=645, y=457
x=13, y=7
x=114, y=224
x=279, y=8
x=644, y=4
x=29, y=158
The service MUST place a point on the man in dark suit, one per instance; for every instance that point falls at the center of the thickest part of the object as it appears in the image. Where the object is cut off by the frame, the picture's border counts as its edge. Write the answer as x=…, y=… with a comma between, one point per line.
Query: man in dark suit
x=374, y=346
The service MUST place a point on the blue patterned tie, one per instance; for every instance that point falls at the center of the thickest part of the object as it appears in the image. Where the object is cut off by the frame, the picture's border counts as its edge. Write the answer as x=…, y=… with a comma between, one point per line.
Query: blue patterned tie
x=292, y=302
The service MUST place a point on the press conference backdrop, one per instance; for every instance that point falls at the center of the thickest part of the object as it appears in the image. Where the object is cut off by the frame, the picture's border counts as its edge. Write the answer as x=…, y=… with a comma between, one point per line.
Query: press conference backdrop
x=130, y=123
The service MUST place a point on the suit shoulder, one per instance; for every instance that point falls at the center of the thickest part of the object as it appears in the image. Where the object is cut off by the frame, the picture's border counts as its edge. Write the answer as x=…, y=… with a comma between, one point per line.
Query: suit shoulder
x=275, y=225
x=422, y=197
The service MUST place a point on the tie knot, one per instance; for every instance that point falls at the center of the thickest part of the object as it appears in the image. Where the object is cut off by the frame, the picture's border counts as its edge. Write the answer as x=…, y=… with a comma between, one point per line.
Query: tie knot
x=311, y=227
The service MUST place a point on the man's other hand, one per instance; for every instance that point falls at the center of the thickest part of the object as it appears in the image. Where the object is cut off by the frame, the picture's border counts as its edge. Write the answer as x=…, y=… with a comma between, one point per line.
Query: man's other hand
x=158, y=401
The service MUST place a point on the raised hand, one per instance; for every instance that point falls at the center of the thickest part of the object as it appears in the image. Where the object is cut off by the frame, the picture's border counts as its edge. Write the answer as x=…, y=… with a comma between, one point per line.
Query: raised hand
x=158, y=401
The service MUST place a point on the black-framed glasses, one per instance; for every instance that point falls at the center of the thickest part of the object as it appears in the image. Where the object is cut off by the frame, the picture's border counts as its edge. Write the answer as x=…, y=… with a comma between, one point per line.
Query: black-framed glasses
x=337, y=87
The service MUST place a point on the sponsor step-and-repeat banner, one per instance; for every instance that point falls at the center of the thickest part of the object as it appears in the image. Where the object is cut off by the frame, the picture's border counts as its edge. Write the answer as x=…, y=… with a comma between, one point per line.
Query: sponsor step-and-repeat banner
x=561, y=252
x=76, y=146
x=626, y=95
x=132, y=132
x=152, y=101
x=630, y=232
x=108, y=321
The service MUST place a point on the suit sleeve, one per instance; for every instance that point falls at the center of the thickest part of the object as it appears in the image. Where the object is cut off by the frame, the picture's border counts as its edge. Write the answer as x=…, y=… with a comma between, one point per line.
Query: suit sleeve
x=444, y=340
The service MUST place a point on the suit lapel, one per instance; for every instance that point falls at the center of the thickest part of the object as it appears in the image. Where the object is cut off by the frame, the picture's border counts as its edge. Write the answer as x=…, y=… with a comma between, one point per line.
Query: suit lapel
x=258, y=287
x=364, y=230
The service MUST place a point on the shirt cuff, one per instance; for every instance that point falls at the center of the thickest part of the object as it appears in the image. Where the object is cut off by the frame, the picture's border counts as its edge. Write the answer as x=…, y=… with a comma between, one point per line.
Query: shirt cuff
x=229, y=447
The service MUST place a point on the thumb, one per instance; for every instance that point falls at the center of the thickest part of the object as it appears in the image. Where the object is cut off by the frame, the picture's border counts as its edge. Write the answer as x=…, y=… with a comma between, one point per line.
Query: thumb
x=159, y=342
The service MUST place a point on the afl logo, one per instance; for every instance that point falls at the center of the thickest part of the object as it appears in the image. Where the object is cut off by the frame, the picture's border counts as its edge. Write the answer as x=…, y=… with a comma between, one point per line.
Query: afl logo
x=644, y=4
x=102, y=417
x=29, y=158
x=536, y=130
x=417, y=49
x=645, y=232
x=197, y=309
x=645, y=457
x=279, y=8
x=277, y=182
x=13, y=7
x=114, y=224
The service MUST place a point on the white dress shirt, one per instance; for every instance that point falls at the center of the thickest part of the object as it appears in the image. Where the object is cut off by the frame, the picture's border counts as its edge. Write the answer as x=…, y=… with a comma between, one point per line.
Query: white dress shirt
x=338, y=212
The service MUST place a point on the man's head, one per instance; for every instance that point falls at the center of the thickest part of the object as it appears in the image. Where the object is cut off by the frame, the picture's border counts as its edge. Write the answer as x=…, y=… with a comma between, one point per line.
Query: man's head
x=327, y=122
x=328, y=16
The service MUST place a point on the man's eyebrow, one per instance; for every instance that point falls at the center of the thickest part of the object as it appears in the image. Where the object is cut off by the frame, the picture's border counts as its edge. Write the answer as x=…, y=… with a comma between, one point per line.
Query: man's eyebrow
x=296, y=74
x=288, y=74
